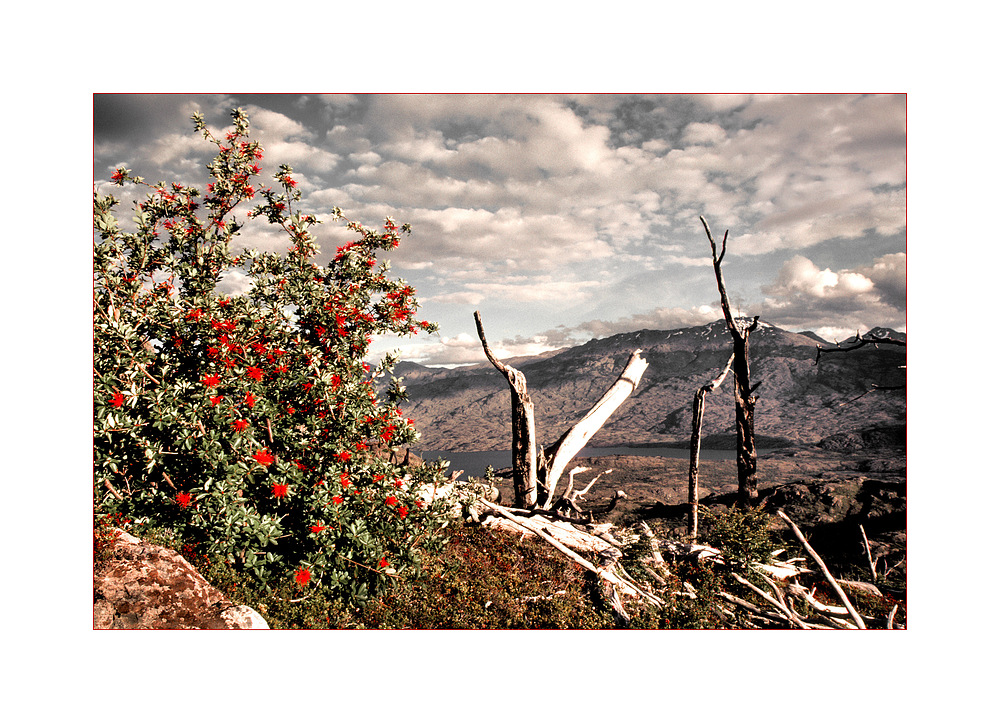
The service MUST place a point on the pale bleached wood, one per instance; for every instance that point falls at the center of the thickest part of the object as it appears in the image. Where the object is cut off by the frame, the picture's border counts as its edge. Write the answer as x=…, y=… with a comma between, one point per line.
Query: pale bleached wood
x=574, y=440
x=546, y=530
x=826, y=572
x=698, y=414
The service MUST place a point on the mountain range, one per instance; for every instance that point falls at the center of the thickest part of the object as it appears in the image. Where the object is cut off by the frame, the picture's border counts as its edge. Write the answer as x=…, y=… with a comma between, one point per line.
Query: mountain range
x=800, y=401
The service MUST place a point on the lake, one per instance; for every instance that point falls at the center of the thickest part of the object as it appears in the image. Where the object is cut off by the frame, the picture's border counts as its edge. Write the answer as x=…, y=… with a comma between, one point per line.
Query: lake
x=475, y=463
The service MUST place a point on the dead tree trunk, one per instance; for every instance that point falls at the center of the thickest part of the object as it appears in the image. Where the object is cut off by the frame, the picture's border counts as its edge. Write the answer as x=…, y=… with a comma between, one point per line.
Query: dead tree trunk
x=528, y=473
x=522, y=429
x=739, y=329
x=559, y=455
x=699, y=413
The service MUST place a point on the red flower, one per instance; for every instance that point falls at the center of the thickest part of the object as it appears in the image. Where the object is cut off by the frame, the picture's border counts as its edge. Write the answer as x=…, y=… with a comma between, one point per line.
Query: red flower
x=302, y=576
x=255, y=373
x=194, y=315
x=344, y=456
x=361, y=446
x=211, y=381
x=318, y=528
x=387, y=434
x=250, y=400
x=279, y=490
x=419, y=504
x=391, y=501
x=344, y=480
x=383, y=563
x=215, y=400
x=116, y=401
x=264, y=457
x=403, y=512
x=337, y=500
x=183, y=499
x=240, y=424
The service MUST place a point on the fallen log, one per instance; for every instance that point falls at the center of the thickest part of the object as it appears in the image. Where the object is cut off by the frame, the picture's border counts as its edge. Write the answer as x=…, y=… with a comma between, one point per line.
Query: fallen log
x=826, y=573
x=548, y=530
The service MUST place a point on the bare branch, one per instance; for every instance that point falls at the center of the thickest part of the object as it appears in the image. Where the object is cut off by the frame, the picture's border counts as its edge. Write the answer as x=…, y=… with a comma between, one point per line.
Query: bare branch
x=826, y=572
x=574, y=440
x=857, y=343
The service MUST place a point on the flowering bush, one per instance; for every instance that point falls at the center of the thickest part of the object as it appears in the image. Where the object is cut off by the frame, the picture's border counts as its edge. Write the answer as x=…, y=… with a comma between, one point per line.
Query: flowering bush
x=250, y=423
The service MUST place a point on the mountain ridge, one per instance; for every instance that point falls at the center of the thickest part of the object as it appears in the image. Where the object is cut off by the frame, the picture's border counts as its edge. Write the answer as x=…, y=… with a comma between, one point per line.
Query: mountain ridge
x=801, y=402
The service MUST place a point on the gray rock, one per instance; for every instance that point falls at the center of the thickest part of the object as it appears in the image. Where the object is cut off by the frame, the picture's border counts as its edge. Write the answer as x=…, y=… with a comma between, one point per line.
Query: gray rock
x=148, y=587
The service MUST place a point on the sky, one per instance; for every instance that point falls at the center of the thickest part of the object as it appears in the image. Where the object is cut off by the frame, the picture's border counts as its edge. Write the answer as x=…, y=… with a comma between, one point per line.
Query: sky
x=563, y=218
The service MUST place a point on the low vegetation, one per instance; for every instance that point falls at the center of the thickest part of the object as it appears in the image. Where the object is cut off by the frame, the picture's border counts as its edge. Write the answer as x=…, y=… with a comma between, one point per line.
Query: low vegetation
x=483, y=578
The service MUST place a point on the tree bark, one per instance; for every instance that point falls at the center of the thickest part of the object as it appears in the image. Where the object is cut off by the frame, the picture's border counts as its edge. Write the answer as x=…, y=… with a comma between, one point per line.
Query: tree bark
x=739, y=329
x=522, y=424
x=699, y=413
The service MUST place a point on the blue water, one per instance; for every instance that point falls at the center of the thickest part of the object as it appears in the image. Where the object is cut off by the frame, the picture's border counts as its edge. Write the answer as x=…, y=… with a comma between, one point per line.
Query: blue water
x=475, y=463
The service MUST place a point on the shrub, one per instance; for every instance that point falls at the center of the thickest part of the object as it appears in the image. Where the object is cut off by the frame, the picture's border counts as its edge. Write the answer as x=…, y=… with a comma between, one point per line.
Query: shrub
x=742, y=536
x=250, y=423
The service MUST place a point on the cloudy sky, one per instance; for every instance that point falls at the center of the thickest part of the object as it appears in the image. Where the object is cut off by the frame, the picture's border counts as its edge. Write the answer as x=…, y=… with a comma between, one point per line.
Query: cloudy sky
x=562, y=217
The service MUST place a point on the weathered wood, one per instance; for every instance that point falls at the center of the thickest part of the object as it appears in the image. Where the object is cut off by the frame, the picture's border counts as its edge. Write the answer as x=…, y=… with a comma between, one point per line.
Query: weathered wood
x=868, y=554
x=857, y=343
x=826, y=572
x=775, y=602
x=522, y=410
x=580, y=433
x=698, y=415
x=739, y=330
x=549, y=530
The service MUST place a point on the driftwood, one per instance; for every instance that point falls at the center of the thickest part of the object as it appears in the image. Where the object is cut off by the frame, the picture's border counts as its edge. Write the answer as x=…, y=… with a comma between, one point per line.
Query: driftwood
x=698, y=415
x=743, y=391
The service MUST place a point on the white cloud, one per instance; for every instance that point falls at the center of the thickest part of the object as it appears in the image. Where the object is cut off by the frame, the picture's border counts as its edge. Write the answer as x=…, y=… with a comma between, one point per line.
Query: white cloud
x=557, y=200
x=707, y=133
x=805, y=296
x=801, y=277
x=457, y=297
x=543, y=289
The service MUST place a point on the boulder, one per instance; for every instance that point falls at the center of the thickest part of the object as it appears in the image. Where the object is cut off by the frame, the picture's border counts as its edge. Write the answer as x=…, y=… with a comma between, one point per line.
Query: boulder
x=148, y=587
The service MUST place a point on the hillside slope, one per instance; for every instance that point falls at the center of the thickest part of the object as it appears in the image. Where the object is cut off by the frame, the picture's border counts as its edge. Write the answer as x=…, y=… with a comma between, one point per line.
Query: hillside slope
x=468, y=409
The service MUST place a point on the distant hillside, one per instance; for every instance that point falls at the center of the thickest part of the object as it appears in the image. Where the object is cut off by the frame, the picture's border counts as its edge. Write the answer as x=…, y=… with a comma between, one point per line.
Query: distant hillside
x=468, y=408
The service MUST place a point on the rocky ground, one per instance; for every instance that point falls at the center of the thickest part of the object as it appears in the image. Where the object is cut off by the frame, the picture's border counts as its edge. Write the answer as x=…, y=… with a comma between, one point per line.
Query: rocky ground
x=828, y=493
